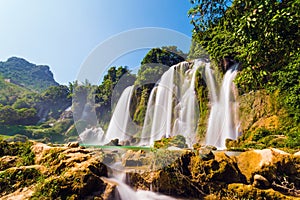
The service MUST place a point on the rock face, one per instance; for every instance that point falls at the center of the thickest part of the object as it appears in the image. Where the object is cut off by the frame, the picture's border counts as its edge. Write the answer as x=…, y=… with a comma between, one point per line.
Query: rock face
x=245, y=176
x=190, y=176
x=73, y=172
x=58, y=172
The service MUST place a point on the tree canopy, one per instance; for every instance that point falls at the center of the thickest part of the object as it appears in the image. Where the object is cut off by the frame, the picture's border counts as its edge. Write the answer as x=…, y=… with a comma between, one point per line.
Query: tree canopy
x=263, y=36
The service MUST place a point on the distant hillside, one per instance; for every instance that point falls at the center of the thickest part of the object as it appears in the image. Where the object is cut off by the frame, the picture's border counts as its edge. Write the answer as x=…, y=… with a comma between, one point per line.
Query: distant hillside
x=28, y=75
x=10, y=92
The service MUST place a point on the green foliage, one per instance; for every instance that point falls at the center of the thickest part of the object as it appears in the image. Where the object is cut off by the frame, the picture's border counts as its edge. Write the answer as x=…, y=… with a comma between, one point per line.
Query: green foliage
x=287, y=81
x=207, y=13
x=10, y=93
x=264, y=37
x=293, y=140
x=176, y=141
x=260, y=133
x=156, y=62
x=12, y=179
x=18, y=149
x=260, y=34
x=110, y=90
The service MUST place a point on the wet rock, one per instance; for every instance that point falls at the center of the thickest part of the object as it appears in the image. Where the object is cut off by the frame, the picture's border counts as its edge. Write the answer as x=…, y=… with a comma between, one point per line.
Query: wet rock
x=176, y=141
x=135, y=158
x=197, y=146
x=225, y=169
x=260, y=182
x=211, y=147
x=125, y=143
x=297, y=154
x=109, y=158
x=114, y=142
x=206, y=154
x=73, y=144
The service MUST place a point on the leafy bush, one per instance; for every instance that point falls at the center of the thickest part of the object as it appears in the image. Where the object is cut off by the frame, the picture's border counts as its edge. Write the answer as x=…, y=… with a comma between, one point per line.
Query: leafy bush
x=260, y=133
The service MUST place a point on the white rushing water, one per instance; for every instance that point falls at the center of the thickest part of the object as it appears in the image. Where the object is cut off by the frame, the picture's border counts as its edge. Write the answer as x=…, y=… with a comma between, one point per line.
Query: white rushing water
x=222, y=122
x=121, y=118
x=125, y=192
x=172, y=106
x=92, y=135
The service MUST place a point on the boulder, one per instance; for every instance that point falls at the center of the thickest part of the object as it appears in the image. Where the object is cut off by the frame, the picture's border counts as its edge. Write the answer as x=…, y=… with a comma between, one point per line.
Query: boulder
x=73, y=144
x=135, y=158
x=260, y=182
x=251, y=162
x=114, y=142
x=206, y=154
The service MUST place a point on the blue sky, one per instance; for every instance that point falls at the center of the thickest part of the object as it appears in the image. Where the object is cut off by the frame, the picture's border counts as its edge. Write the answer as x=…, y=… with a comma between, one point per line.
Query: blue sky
x=62, y=33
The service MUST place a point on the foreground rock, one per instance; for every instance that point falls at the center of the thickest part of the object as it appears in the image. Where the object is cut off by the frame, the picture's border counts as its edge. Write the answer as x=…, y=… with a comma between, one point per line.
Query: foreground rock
x=57, y=172
x=39, y=171
x=257, y=174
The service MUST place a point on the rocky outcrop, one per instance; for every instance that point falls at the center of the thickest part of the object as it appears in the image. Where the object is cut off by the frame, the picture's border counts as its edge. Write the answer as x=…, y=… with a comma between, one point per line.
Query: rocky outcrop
x=74, y=172
x=268, y=173
x=58, y=172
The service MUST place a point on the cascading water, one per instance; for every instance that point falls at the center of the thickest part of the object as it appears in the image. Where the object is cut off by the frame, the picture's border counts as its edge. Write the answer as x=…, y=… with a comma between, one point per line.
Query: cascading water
x=92, y=135
x=171, y=108
x=222, y=119
x=118, y=126
x=159, y=110
x=125, y=192
x=186, y=120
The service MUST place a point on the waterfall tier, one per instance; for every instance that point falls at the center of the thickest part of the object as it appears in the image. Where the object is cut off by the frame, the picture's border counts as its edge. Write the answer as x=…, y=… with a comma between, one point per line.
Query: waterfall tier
x=172, y=107
x=222, y=121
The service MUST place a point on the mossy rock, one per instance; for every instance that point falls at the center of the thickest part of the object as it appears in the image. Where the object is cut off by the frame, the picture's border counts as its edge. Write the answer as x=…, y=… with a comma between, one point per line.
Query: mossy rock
x=224, y=169
x=18, y=177
x=241, y=191
x=176, y=141
x=273, y=164
x=9, y=161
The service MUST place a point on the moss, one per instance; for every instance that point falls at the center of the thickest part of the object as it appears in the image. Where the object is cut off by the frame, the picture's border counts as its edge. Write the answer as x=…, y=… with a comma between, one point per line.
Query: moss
x=176, y=141
x=14, y=178
x=19, y=149
x=241, y=191
x=248, y=162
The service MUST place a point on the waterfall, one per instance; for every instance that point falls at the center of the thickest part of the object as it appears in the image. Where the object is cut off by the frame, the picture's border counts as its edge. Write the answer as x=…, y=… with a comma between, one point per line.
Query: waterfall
x=125, y=192
x=118, y=126
x=159, y=110
x=171, y=108
x=221, y=122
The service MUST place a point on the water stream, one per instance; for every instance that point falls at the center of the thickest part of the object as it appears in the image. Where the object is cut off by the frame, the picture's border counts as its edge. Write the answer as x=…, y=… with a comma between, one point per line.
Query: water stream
x=222, y=122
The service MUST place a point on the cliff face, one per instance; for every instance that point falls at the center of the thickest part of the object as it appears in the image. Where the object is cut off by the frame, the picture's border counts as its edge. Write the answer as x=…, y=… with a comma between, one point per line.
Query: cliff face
x=26, y=74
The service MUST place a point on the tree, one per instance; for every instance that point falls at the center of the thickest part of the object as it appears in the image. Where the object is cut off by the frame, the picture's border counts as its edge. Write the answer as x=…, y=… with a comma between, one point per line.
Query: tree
x=207, y=13
x=156, y=62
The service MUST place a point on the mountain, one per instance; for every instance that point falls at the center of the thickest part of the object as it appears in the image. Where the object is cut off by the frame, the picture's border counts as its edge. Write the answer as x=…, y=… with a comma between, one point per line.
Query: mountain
x=21, y=72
